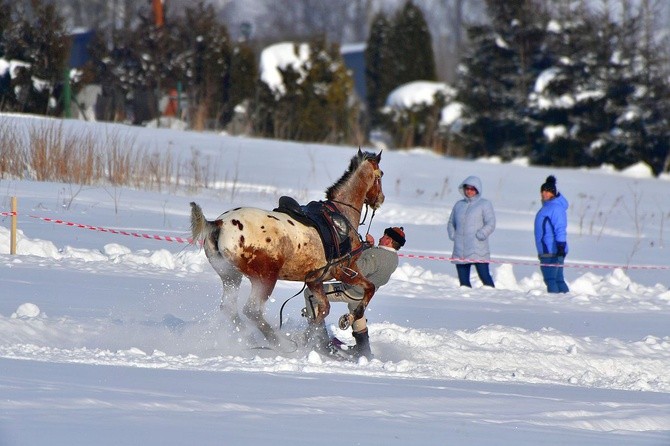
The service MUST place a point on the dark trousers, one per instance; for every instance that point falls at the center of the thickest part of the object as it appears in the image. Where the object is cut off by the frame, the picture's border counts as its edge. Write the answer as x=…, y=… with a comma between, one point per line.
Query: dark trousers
x=553, y=274
x=463, y=270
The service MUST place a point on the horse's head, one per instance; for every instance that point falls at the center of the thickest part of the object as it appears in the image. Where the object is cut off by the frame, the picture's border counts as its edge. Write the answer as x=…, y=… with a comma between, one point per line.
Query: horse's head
x=374, y=197
x=361, y=183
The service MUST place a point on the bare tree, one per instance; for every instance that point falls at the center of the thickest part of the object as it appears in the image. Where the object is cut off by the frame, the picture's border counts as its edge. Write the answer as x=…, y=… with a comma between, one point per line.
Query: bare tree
x=304, y=19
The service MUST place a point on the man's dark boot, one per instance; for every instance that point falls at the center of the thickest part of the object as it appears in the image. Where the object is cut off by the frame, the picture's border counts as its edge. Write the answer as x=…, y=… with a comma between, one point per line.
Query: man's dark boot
x=362, y=347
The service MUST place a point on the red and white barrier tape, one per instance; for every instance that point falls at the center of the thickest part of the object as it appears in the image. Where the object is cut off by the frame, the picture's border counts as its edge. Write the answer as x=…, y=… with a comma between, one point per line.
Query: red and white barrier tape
x=405, y=255
x=567, y=265
x=8, y=214
x=114, y=231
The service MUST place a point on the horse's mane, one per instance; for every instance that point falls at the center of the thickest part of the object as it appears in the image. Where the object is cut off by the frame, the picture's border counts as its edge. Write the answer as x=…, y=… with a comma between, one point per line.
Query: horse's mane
x=354, y=164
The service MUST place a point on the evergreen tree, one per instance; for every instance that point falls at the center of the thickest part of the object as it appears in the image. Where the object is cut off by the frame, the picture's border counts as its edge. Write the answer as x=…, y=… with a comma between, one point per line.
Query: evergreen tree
x=603, y=99
x=240, y=85
x=314, y=102
x=570, y=95
x=325, y=114
x=646, y=124
x=135, y=65
x=614, y=78
x=397, y=52
x=33, y=34
x=496, y=76
x=643, y=121
x=5, y=24
x=205, y=65
x=411, y=46
x=195, y=50
x=6, y=91
x=379, y=63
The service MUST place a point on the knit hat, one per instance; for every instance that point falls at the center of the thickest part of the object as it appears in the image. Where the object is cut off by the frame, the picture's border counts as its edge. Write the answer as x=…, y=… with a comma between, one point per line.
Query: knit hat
x=549, y=185
x=396, y=234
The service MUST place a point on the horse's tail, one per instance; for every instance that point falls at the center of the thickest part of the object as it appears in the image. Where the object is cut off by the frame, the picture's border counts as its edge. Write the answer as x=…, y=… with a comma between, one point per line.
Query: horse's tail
x=201, y=228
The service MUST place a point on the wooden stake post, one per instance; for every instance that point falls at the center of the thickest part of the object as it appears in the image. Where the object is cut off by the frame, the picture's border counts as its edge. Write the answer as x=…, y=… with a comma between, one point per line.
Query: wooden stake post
x=12, y=235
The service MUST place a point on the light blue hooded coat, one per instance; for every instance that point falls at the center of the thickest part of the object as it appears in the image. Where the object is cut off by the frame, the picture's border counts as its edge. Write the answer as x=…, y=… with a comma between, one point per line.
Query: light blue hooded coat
x=471, y=222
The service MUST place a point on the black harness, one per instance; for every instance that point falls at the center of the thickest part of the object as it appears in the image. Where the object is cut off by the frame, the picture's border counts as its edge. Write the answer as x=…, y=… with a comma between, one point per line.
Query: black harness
x=332, y=226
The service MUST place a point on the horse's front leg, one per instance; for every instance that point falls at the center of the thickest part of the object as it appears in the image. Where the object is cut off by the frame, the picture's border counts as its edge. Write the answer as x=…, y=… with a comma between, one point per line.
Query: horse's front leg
x=368, y=292
x=356, y=318
x=254, y=309
x=316, y=333
x=352, y=277
x=322, y=305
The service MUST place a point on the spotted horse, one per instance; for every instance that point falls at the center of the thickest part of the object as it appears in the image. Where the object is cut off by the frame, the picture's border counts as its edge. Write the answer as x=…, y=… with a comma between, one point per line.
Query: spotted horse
x=267, y=246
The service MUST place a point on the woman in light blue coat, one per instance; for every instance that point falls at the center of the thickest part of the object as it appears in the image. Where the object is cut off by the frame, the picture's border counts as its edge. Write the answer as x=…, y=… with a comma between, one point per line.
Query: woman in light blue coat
x=471, y=222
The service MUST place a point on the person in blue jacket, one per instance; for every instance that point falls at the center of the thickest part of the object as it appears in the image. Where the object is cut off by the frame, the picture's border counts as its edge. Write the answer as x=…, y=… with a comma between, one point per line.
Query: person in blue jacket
x=471, y=222
x=551, y=223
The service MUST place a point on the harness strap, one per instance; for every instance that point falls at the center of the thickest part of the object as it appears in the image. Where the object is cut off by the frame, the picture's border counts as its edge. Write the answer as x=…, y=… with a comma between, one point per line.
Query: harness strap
x=281, y=309
x=324, y=270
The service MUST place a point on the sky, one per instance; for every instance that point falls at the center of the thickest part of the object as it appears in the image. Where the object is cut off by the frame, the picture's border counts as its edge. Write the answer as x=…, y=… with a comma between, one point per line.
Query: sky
x=113, y=339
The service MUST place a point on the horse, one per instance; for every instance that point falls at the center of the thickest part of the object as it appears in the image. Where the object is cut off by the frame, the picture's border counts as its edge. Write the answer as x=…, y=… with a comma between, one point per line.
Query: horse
x=267, y=246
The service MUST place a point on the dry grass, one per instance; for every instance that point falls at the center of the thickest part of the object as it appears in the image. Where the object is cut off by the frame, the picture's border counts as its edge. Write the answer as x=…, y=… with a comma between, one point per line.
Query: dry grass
x=46, y=152
x=12, y=156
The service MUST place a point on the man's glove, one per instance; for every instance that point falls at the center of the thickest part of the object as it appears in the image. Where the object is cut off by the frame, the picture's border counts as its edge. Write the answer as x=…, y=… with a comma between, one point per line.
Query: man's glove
x=560, y=249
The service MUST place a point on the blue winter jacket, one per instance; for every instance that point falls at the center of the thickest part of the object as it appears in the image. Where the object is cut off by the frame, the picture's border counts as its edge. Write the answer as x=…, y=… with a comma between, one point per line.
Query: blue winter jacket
x=471, y=222
x=551, y=223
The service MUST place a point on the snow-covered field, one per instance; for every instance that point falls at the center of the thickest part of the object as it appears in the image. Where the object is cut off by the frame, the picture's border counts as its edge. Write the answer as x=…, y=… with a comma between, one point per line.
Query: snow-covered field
x=109, y=339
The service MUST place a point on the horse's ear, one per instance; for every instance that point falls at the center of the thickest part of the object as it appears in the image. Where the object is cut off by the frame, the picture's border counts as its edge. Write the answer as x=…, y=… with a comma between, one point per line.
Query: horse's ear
x=379, y=156
x=360, y=153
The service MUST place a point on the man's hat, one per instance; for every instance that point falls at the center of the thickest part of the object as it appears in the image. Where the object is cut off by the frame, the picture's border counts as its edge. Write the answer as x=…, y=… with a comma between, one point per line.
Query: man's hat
x=397, y=234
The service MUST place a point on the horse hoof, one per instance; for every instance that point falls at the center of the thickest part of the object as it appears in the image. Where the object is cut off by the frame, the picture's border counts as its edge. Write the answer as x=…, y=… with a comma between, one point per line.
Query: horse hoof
x=345, y=321
x=286, y=345
x=317, y=335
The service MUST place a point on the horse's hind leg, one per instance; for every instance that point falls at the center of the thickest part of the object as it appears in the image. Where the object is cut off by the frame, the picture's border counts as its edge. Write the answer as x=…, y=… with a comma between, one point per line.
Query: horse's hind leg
x=231, y=288
x=254, y=309
x=316, y=333
x=231, y=278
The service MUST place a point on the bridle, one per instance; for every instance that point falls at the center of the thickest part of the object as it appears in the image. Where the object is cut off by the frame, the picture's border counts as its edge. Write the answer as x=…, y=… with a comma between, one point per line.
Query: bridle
x=378, y=178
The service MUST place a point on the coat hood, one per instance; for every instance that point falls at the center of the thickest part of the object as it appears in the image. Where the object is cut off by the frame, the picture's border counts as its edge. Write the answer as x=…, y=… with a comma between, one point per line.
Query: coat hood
x=558, y=200
x=471, y=181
